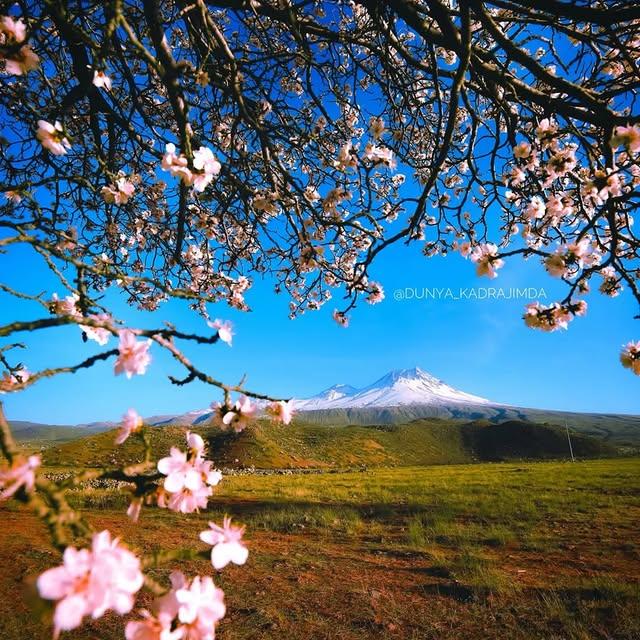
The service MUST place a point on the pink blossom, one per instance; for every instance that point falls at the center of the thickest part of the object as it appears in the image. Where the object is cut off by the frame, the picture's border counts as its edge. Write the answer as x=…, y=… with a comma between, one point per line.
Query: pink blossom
x=603, y=185
x=158, y=625
x=535, y=209
x=376, y=294
x=630, y=357
x=120, y=192
x=181, y=473
x=379, y=155
x=516, y=177
x=92, y=582
x=224, y=329
x=190, y=478
x=340, y=318
x=52, y=137
x=21, y=62
x=131, y=422
x=133, y=355
x=334, y=198
x=546, y=131
x=195, y=443
x=464, y=248
x=610, y=282
x=227, y=544
x=101, y=80
x=266, y=201
x=100, y=334
x=556, y=265
x=522, y=150
x=13, y=196
x=554, y=316
x=200, y=607
x=177, y=165
x=347, y=158
x=12, y=31
x=21, y=474
x=206, y=165
x=66, y=307
x=152, y=628
x=13, y=380
x=561, y=162
x=311, y=194
x=242, y=412
x=558, y=206
x=282, y=411
x=487, y=263
x=376, y=127
x=134, y=508
x=628, y=136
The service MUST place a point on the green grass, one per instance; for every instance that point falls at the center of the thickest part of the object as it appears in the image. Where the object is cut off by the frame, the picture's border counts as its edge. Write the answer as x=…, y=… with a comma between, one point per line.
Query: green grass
x=544, y=550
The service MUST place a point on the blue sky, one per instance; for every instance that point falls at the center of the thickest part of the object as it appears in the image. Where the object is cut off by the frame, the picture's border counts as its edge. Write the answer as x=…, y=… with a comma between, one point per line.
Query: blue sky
x=481, y=347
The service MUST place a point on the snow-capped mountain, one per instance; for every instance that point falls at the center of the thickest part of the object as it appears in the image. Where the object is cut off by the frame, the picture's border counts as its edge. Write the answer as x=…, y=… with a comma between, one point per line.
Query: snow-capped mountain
x=411, y=388
x=327, y=397
x=397, y=388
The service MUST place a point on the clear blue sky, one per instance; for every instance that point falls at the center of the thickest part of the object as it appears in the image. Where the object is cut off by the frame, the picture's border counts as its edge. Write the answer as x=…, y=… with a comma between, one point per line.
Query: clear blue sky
x=481, y=347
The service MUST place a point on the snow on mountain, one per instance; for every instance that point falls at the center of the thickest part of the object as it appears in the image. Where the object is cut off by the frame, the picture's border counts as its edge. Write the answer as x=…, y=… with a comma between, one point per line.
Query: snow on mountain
x=402, y=387
x=396, y=388
x=333, y=394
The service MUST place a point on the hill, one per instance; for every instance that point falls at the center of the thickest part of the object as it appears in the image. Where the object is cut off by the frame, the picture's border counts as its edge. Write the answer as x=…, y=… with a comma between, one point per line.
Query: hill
x=298, y=446
x=36, y=432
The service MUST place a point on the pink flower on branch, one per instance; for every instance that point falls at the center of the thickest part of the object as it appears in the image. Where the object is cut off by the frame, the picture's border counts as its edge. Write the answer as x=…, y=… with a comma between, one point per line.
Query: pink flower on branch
x=628, y=137
x=554, y=316
x=18, y=62
x=12, y=31
x=281, y=411
x=200, y=607
x=487, y=262
x=101, y=80
x=133, y=355
x=186, y=612
x=205, y=166
x=238, y=416
x=52, y=137
x=118, y=192
x=14, y=380
x=190, y=478
x=20, y=475
x=92, y=582
x=227, y=544
x=224, y=329
x=131, y=422
x=100, y=335
x=630, y=357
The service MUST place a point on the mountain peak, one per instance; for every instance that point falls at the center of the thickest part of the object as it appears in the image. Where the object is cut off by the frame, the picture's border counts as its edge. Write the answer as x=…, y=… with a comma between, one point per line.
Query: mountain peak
x=411, y=386
x=413, y=373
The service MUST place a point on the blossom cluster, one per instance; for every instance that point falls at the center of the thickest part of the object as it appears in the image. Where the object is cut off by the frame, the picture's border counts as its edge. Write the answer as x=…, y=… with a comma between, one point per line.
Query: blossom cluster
x=203, y=169
x=91, y=582
x=190, y=478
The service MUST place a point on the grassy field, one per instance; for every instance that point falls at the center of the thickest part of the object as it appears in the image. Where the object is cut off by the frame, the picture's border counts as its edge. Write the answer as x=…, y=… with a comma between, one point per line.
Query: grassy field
x=528, y=550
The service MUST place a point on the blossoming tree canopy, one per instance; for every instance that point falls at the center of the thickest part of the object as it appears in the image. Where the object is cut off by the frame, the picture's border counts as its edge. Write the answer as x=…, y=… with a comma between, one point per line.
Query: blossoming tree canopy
x=177, y=149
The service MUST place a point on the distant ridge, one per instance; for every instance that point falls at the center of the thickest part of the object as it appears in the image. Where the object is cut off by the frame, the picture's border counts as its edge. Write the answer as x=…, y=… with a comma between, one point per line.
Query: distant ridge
x=398, y=397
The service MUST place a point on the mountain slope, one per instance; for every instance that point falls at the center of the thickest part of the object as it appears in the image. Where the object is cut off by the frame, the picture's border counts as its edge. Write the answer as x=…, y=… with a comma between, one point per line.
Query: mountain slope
x=34, y=431
x=299, y=446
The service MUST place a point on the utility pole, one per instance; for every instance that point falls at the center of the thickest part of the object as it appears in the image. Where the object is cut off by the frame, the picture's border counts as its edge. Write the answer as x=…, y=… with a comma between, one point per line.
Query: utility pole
x=569, y=439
